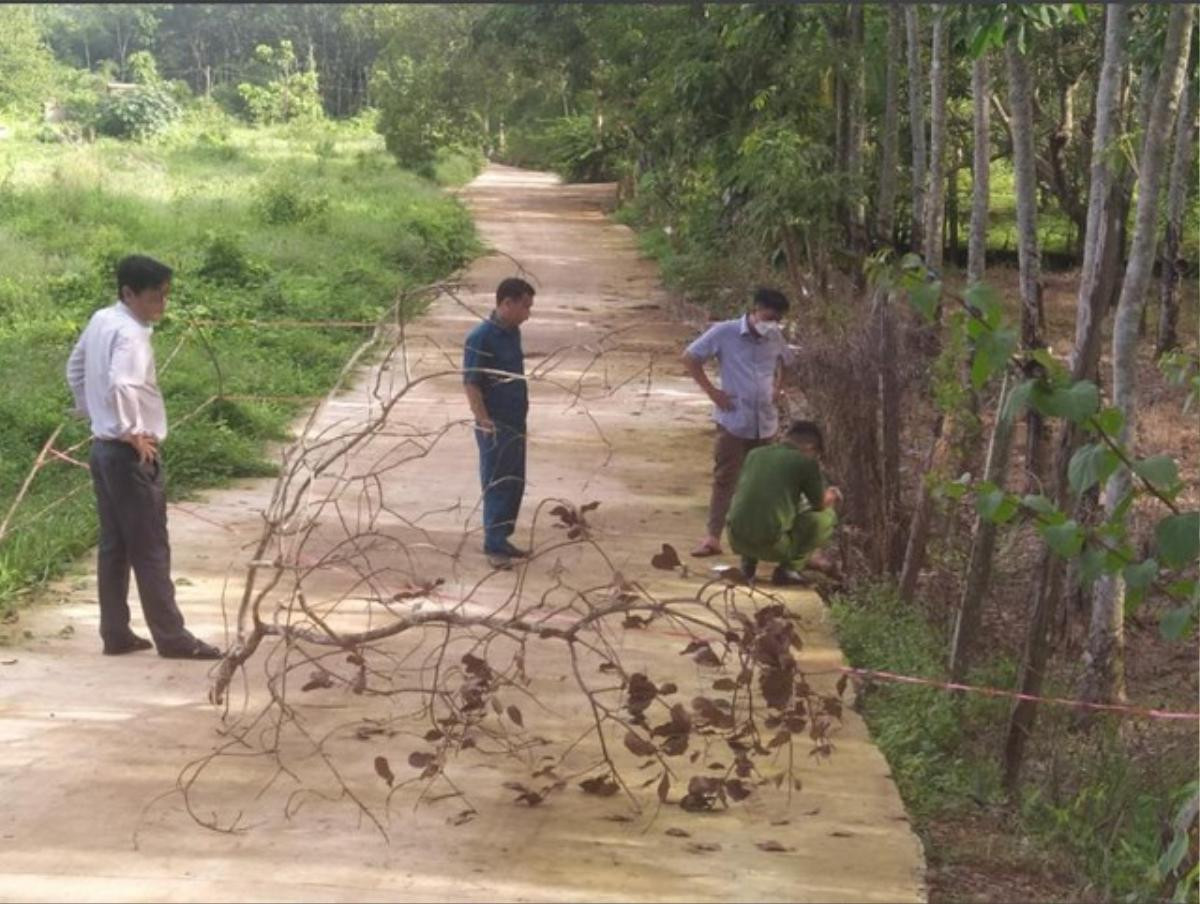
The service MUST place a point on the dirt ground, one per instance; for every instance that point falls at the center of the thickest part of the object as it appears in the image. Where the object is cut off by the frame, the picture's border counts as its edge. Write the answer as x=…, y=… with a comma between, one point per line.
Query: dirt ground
x=93, y=747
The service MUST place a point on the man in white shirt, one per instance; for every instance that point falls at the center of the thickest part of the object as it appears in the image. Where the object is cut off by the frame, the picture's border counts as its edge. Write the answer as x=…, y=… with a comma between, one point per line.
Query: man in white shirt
x=749, y=350
x=112, y=376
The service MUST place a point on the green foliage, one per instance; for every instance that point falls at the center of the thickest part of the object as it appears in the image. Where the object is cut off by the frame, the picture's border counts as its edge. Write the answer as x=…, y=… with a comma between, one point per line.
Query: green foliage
x=25, y=63
x=283, y=198
x=288, y=93
x=141, y=113
x=572, y=146
x=457, y=165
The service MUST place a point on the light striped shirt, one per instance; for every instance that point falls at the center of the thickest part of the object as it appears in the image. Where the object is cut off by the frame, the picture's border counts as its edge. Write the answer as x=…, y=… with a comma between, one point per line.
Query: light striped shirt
x=112, y=376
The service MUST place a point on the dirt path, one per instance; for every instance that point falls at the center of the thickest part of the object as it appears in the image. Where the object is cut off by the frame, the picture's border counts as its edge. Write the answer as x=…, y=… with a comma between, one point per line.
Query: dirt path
x=87, y=744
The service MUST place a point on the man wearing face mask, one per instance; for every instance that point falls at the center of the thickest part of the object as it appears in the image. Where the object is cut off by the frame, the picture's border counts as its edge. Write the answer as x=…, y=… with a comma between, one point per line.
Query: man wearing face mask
x=749, y=351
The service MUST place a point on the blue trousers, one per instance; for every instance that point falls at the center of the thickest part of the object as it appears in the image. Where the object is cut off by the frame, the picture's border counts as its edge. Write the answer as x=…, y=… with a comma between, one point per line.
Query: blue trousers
x=502, y=477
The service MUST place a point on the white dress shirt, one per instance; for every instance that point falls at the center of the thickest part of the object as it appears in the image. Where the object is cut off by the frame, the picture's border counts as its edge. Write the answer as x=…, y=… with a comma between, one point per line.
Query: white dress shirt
x=112, y=376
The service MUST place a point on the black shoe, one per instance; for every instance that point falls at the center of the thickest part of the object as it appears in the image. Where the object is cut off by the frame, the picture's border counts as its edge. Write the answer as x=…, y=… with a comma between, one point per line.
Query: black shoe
x=197, y=649
x=131, y=644
x=749, y=567
x=514, y=552
x=786, y=577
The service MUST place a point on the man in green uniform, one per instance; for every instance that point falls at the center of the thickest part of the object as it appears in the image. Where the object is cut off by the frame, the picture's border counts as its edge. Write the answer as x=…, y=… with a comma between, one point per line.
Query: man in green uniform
x=782, y=512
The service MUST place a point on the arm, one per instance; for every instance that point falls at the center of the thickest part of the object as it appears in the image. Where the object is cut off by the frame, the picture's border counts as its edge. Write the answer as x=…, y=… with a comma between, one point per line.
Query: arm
x=76, y=376
x=125, y=372
x=695, y=369
x=483, y=420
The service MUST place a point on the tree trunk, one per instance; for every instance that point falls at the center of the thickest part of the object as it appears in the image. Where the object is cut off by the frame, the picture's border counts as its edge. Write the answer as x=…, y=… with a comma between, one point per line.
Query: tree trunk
x=889, y=408
x=918, y=530
x=1177, y=190
x=935, y=198
x=983, y=546
x=980, y=169
x=916, y=116
x=1104, y=678
x=855, y=133
x=1025, y=179
x=1089, y=318
x=885, y=208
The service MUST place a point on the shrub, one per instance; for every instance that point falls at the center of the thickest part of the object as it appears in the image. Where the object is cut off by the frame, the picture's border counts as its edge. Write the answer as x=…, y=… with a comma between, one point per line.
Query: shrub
x=141, y=113
x=227, y=263
x=285, y=199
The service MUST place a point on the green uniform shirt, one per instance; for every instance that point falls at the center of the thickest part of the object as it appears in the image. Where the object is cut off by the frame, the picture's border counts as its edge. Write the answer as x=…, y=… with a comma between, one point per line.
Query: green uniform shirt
x=777, y=483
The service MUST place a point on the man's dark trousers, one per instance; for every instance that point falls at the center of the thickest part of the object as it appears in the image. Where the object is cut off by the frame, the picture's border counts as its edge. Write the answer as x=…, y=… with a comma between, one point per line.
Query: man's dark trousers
x=132, y=506
x=502, y=476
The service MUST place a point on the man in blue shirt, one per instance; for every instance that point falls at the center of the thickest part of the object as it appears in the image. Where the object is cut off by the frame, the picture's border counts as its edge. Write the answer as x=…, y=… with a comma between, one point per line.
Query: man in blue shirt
x=749, y=350
x=500, y=404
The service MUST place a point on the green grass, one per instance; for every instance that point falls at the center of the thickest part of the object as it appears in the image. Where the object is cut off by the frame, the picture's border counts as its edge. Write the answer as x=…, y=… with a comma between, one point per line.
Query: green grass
x=1084, y=800
x=284, y=223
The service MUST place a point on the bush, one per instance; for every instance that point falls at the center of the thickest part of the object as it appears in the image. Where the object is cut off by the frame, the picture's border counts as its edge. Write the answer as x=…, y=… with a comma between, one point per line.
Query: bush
x=141, y=113
x=285, y=199
x=226, y=263
x=570, y=146
x=457, y=165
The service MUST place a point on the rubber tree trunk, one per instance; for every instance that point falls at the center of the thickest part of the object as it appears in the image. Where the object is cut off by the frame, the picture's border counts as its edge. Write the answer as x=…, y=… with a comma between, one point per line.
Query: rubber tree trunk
x=1103, y=678
x=856, y=131
x=983, y=547
x=922, y=518
x=1102, y=236
x=983, y=536
x=935, y=196
x=885, y=205
x=980, y=168
x=1177, y=191
x=916, y=118
x=1020, y=95
x=889, y=411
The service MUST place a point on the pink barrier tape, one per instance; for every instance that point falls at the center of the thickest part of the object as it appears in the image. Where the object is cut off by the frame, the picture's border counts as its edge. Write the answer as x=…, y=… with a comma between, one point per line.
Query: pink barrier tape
x=1145, y=712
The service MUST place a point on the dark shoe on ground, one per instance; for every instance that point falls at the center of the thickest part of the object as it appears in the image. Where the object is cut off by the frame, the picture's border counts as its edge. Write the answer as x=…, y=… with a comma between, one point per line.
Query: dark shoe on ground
x=131, y=644
x=499, y=561
x=515, y=552
x=786, y=577
x=197, y=649
x=749, y=566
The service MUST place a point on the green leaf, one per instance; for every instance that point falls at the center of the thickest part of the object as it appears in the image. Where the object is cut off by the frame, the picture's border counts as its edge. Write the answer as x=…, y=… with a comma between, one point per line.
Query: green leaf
x=1053, y=367
x=1091, y=564
x=1076, y=402
x=1177, y=623
x=925, y=299
x=994, y=504
x=1015, y=404
x=1090, y=465
x=1178, y=539
x=1141, y=575
x=1039, y=504
x=986, y=300
x=1066, y=539
x=1110, y=420
x=992, y=350
x=1159, y=470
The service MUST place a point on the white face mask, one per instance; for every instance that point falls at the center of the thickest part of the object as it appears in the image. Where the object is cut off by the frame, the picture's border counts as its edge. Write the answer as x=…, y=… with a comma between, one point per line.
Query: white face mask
x=769, y=329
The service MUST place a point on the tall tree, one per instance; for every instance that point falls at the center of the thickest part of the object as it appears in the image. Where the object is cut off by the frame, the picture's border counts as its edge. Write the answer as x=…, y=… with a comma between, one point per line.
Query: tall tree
x=935, y=196
x=1092, y=303
x=1020, y=93
x=1104, y=678
x=916, y=119
x=885, y=206
x=981, y=130
x=1177, y=192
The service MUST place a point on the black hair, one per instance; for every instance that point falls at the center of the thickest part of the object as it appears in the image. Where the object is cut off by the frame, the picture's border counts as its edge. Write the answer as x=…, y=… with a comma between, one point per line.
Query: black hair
x=806, y=432
x=513, y=287
x=140, y=273
x=771, y=298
